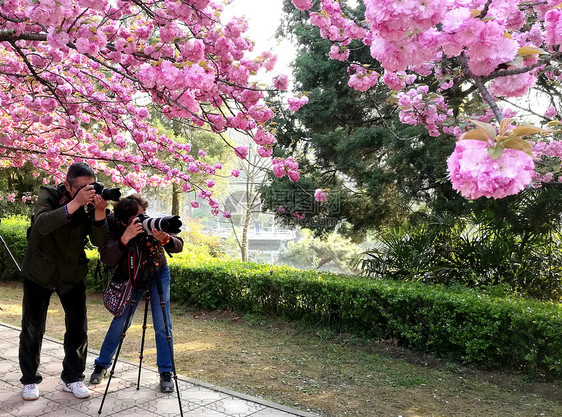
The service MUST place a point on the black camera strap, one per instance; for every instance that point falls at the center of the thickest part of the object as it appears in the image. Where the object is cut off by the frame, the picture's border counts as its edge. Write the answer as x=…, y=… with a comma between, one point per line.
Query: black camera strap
x=132, y=256
x=64, y=195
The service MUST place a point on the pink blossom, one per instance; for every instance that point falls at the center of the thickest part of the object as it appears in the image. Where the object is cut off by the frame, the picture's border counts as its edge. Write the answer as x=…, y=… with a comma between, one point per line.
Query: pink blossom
x=57, y=39
x=11, y=197
x=486, y=56
x=339, y=53
x=320, y=195
x=265, y=152
x=270, y=63
x=302, y=4
x=279, y=170
x=293, y=175
x=298, y=216
x=261, y=113
x=551, y=112
x=93, y=4
x=210, y=183
x=553, y=25
x=475, y=174
x=241, y=152
x=513, y=85
x=263, y=138
x=296, y=103
x=281, y=82
x=235, y=173
x=394, y=80
x=363, y=81
x=194, y=204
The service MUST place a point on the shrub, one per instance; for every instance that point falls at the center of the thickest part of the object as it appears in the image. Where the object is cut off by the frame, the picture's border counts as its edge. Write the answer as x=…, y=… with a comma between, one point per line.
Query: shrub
x=472, y=253
x=13, y=230
x=457, y=323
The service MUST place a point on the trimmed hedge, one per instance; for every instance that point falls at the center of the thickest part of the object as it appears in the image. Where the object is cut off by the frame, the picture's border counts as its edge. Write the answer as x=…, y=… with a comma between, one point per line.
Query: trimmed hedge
x=14, y=232
x=456, y=323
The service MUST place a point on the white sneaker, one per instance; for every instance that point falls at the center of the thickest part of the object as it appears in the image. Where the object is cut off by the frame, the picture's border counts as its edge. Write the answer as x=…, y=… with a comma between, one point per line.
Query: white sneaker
x=77, y=388
x=30, y=392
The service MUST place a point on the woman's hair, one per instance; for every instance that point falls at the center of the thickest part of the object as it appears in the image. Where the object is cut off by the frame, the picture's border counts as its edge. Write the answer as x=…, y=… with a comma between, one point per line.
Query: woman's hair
x=129, y=206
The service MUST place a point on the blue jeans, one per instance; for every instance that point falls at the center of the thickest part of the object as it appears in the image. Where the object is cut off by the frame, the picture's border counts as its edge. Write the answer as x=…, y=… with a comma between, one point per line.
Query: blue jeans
x=113, y=336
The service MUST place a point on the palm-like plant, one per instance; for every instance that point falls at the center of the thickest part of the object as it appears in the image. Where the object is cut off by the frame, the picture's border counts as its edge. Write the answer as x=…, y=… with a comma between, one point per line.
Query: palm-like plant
x=512, y=242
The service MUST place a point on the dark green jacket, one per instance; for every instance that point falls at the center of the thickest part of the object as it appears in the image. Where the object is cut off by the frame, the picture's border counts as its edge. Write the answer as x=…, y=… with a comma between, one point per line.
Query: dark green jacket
x=55, y=256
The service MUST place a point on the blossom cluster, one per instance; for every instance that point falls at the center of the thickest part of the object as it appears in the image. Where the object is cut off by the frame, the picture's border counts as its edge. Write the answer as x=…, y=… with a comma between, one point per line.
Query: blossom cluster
x=320, y=195
x=495, y=48
x=77, y=74
x=282, y=167
x=419, y=107
x=474, y=173
x=500, y=40
x=295, y=103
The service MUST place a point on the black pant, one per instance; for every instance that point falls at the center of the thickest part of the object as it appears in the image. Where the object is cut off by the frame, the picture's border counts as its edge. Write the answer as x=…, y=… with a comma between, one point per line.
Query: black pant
x=34, y=315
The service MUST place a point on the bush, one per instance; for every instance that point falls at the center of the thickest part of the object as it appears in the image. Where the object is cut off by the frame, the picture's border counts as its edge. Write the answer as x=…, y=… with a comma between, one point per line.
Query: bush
x=457, y=323
x=471, y=253
x=13, y=229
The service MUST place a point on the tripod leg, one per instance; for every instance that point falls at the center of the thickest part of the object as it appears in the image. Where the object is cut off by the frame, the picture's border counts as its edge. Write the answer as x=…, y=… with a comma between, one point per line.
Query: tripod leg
x=168, y=335
x=146, y=299
x=132, y=304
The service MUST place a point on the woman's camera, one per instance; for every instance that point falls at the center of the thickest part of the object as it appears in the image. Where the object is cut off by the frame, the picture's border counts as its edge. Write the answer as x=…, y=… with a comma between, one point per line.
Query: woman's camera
x=168, y=224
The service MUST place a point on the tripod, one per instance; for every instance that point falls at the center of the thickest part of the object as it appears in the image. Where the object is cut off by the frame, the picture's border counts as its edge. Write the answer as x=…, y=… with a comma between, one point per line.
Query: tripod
x=9, y=252
x=154, y=267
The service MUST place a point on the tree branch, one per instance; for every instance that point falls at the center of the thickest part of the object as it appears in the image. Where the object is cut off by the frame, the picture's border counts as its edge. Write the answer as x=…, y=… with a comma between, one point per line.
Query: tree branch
x=484, y=93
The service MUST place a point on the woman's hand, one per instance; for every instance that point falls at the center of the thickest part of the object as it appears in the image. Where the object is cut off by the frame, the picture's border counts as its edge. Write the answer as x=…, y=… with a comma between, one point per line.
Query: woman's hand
x=162, y=237
x=100, y=205
x=133, y=230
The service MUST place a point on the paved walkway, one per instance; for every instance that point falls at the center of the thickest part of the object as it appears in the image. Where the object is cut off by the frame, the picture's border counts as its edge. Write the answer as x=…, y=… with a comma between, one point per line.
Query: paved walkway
x=198, y=399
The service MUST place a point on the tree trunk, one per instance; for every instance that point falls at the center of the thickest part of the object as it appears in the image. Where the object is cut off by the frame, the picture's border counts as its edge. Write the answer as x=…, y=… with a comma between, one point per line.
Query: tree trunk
x=246, y=224
x=176, y=127
x=176, y=206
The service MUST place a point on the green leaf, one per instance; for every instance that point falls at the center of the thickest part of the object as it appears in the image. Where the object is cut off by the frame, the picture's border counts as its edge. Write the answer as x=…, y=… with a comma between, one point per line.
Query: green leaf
x=475, y=134
x=516, y=62
x=528, y=130
x=496, y=151
x=519, y=144
x=488, y=128
x=531, y=50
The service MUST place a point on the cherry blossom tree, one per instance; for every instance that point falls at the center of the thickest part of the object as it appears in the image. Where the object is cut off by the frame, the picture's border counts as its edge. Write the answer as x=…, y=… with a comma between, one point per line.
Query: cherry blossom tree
x=76, y=77
x=439, y=56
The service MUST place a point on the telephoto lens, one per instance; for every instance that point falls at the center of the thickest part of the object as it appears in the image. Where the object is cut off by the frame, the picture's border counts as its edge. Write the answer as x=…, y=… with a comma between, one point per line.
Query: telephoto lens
x=168, y=224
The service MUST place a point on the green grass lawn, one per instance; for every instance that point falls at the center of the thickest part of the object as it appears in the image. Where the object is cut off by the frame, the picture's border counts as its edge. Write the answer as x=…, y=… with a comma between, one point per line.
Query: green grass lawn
x=315, y=370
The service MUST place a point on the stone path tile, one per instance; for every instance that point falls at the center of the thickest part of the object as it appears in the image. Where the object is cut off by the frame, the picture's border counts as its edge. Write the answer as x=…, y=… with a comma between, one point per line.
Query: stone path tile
x=198, y=399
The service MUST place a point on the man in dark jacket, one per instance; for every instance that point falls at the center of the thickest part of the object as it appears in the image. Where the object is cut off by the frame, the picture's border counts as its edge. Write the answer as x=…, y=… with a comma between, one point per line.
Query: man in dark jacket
x=55, y=261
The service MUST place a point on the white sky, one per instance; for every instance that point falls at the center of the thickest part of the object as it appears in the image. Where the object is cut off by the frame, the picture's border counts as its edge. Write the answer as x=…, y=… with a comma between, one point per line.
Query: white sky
x=263, y=18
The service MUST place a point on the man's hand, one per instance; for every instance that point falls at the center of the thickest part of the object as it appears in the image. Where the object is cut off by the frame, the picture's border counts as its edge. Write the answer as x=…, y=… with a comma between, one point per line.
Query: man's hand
x=133, y=229
x=85, y=195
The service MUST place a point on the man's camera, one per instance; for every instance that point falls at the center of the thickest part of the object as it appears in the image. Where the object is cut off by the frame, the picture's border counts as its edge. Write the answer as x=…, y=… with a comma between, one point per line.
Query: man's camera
x=113, y=194
x=168, y=224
